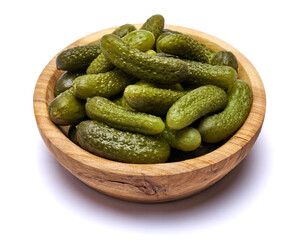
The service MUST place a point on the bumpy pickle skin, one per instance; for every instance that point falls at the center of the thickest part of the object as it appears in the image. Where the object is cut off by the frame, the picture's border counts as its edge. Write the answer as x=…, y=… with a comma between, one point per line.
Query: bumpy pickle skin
x=65, y=81
x=77, y=58
x=142, y=65
x=222, y=125
x=102, y=84
x=140, y=39
x=176, y=86
x=225, y=58
x=195, y=104
x=186, y=139
x=66, y=109
x=104, y=141
x=185, y=47
x=154, y=24
x=150, y=99
x=124, y=30
x=103, y=110
x=206, y=74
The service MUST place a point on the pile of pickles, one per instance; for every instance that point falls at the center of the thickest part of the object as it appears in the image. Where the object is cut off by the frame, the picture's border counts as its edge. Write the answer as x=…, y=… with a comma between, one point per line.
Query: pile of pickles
x=149, y=95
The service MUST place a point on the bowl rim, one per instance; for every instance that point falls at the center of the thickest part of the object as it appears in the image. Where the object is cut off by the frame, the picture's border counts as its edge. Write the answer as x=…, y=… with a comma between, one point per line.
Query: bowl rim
x=53, y=134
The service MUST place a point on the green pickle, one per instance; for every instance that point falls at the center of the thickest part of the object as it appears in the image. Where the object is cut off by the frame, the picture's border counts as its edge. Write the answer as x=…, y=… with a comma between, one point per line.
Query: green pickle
x=154, y=24
x=150, y=99
x=66, y=109
x=72, y=134
x=222, y=125
x=207, y=74
x=225, y=58
x=102, y=84
x=77, y=58
x=103, y=110
x=104, y=141
x=185, y=47
x=186, y=139
x=65, y=82
x=195, y=104
x=142, y=65
x=140, y=39
x=124, y=30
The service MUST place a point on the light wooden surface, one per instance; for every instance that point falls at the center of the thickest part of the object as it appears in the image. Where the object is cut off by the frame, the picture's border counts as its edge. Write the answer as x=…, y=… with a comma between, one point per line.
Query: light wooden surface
x=157, y=182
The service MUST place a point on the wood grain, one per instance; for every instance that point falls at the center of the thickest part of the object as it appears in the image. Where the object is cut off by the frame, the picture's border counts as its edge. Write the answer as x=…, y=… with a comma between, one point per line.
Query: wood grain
x=156, y=182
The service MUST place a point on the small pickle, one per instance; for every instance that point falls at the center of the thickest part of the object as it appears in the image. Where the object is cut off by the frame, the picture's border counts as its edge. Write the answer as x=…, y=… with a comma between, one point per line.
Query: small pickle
x=140, y=39
x=222, y=125
x=104, y=141
x=142, y=65
x=225, y=58
x=150, y=99
x=102, y=84
x=77, y=58
x=124, y=30
x=185, y=47
x=103, y=110
x=186, y=139
x=66, y=109
x=195, y=104
x=154, y=24
x=65, y=82
x=206, y=74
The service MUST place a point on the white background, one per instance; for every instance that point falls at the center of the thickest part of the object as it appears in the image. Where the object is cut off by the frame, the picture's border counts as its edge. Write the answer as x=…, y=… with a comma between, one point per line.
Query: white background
x=41, y=200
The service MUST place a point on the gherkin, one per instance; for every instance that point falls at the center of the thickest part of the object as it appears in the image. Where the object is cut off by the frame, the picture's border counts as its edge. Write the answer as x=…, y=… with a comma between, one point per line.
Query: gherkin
x=104, y=141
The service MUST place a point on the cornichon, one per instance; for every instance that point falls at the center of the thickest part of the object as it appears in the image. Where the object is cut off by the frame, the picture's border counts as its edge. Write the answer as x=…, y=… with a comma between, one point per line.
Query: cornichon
x=176, y=86
x=154, y=24
x=140, y=39
x=102, y=84
x=142, y=65
x=207, y=74
x=150, y=99
x=225, y=58
x=66, y=109
x=185, y=47
x=124, y=30
x=186, y=139
x=77, y=58
x=222, y=125
x=104, y=110
x=104, y=141
x=72, y=134
x=65, y=82
x=195, y=104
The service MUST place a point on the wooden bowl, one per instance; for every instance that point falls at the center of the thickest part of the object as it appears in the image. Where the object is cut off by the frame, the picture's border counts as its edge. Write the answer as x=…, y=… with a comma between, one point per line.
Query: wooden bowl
x=151, y=182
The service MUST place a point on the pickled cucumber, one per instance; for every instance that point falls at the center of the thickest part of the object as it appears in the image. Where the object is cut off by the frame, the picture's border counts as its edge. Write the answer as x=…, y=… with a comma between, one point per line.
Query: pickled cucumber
x=222, y=125
x=207, y=74
x=185, y=47
x=225, y=58
x=65, y=82
x=175, y=86
x=195, y=104
x=104, y=110
x=66, y=109
x=72, y=134
x=140, y=39
x=77, y=58
x=150, y=99
x=104, y=141
x=142, y=65
x=124, y=30
x=186, y=139
x=154, y=24
x=102, y=84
